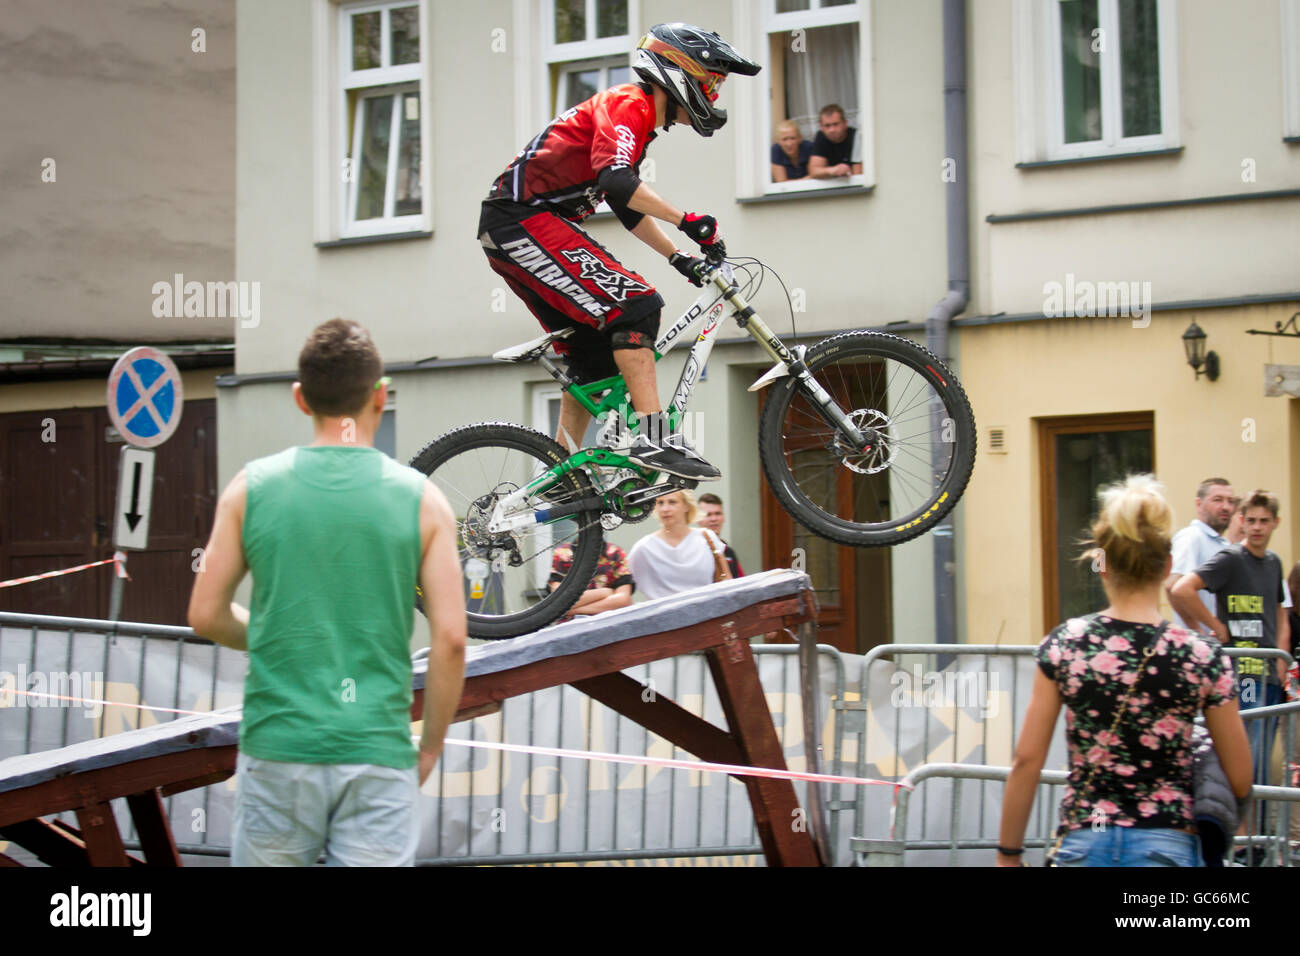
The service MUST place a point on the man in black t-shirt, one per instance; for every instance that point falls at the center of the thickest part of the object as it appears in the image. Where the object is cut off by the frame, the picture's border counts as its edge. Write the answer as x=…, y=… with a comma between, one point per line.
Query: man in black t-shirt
x=833, y=147
x=1246, y=580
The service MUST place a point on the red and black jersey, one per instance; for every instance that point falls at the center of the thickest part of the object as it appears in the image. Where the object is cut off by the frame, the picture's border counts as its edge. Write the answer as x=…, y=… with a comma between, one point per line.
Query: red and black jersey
x=558, y=171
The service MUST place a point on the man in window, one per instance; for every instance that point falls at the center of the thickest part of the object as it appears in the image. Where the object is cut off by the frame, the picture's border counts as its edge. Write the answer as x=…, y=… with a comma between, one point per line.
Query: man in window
x=589, y=153
x=833, y=146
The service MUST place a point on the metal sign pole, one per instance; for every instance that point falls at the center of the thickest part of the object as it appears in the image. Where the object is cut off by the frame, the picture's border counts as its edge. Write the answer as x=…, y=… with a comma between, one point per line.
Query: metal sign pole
x=119, y=577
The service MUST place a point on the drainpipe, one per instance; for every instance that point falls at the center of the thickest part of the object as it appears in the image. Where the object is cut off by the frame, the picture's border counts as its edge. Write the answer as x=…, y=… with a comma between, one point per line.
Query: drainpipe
x=957, y=208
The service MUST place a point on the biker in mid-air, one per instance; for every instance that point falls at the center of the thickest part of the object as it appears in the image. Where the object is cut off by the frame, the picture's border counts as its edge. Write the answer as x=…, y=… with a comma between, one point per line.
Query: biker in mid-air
x=593, y=152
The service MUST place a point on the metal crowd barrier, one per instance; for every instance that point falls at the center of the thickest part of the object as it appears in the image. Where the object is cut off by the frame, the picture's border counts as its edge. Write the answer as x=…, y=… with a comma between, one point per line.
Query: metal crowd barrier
x=171, y=667
x=971, y=824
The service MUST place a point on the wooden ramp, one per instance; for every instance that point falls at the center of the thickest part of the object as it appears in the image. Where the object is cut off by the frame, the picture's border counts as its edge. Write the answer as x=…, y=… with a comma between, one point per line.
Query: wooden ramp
x=146, y=765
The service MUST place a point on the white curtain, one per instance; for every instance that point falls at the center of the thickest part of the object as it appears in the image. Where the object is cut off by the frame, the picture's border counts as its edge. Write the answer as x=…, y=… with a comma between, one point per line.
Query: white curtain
x=823, y=69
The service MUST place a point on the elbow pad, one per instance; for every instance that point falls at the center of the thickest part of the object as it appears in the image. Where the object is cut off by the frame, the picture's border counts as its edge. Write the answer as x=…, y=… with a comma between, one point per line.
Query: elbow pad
x=628, y=217
x=618, y=183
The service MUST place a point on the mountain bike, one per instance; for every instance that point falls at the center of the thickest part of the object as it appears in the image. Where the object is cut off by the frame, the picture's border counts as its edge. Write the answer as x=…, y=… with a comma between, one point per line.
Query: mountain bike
x=865, y=438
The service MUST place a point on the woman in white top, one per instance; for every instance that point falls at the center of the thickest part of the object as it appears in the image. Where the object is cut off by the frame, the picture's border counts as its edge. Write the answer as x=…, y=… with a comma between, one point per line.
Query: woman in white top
x=677, y=557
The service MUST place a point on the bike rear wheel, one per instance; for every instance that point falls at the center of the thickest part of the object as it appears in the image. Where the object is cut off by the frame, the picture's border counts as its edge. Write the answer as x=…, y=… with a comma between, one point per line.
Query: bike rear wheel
x=896, y=489
x=507, y=575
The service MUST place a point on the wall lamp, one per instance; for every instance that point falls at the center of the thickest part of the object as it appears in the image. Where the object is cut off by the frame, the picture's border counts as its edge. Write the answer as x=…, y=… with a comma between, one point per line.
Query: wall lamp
x=1197, y=357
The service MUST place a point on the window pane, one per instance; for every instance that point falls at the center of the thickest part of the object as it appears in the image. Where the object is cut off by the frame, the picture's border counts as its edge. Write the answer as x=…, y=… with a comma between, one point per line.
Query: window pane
x=570, y=21
x=838, y=3
x=1085, y=462
x=619, y=74
x=791, y=6
x=581, y=86
x=407, y=187
x=405, y=35
x=378, y=121
x=1139, y=74
x=1080, y=71
x=611, y=18
x=821, y=68
x=365, y=41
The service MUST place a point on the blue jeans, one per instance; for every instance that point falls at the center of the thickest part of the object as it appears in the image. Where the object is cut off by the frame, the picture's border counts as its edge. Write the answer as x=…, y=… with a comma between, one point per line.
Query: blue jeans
x=1129, y=846
x=1262, y=730
x=286, y=814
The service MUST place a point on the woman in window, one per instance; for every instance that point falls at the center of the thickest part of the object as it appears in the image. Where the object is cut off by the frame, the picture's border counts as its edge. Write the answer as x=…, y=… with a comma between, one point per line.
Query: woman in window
x=1132, y=685
x=677, y=557
x=790, y=154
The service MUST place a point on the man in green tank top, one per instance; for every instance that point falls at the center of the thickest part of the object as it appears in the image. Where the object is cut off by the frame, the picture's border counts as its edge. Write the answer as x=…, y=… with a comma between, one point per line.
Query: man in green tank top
x=336, y=536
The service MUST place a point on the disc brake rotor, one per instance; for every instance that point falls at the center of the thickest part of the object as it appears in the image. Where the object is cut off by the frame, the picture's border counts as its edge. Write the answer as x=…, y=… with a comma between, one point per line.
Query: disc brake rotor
x=882, y=451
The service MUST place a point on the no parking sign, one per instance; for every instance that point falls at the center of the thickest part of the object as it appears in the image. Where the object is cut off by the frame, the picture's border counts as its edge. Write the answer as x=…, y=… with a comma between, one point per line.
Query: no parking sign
x=145, y=397
x=144, y=402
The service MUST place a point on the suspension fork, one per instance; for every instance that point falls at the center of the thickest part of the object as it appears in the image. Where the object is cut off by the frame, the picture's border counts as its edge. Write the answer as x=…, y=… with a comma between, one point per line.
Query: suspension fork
x=826, y=405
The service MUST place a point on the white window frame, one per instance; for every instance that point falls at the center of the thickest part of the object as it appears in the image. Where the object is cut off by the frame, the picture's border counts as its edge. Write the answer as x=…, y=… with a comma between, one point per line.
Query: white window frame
x=603, y=64
x=333, y=80
x=593, y=48
x=1040, y=114
x=1290, y=14
x=751, y=110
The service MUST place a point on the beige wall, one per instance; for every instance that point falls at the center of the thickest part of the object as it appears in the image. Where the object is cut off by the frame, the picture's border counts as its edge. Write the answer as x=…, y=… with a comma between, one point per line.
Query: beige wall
x=1015, y=373
x=1230, y=92
x=92, y=392
x=861, y=260
x=141, y=129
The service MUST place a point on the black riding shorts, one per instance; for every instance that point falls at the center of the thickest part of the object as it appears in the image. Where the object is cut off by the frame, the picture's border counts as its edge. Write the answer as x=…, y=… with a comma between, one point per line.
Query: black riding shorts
x=568, y=280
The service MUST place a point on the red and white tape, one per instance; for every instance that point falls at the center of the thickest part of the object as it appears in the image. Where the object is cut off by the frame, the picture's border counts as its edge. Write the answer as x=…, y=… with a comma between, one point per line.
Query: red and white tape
x=118, y=560
x=738, y=770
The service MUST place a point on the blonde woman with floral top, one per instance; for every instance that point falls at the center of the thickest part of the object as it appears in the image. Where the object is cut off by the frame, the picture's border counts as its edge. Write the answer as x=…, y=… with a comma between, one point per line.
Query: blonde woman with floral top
x=1132, y=685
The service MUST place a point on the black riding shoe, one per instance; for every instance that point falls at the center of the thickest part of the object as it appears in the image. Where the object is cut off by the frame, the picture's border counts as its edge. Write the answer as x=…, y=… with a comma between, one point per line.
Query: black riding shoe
x=674, y=455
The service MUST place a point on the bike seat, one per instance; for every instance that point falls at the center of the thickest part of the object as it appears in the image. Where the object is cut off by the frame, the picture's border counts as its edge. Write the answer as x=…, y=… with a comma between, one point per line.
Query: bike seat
x=531, y=351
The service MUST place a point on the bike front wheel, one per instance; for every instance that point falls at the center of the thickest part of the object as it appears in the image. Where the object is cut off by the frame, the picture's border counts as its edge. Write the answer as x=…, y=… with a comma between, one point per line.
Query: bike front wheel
x=913, y=470
x=522, y=579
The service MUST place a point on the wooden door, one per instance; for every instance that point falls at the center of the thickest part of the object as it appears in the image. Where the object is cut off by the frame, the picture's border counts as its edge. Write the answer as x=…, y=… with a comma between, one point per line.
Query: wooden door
x=852, y=584
x=58, y=492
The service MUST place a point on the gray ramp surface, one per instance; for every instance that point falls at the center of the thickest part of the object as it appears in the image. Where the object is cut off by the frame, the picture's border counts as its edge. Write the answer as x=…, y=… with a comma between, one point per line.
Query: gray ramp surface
x=637, y=620
x=221, y=728
x=218, y=729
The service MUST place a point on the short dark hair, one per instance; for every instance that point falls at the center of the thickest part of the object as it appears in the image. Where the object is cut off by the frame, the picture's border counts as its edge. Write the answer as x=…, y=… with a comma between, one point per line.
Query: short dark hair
x=1259, y=498
x=1204, y=487
x=832, y=108
x=338, y=368
x=709, y=498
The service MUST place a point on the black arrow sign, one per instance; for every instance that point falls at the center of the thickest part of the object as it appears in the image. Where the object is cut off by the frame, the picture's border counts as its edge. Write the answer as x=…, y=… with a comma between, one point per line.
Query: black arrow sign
x=133, y=516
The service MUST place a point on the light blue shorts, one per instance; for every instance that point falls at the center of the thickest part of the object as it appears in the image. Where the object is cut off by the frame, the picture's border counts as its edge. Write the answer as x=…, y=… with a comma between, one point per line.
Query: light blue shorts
x=287, y=814
x=1129, y=846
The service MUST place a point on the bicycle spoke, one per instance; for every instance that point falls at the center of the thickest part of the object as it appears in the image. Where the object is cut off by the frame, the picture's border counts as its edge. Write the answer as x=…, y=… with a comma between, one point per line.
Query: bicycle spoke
x=898, y=476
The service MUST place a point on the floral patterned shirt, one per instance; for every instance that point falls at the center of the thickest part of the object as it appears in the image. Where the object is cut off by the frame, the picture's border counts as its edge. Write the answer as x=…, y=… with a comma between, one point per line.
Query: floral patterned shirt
x=1143, y=772
x=612, y=569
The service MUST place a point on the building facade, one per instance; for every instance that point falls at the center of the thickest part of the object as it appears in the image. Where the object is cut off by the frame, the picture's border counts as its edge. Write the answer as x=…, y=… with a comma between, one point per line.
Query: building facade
x=369, y=133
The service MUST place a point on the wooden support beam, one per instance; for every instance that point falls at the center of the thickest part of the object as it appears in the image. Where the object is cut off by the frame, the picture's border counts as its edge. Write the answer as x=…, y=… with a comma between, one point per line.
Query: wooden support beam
x=52, y=845
x=662, y=716
x=99, y=831
x=79, y=790
x=151, y=826
x=776, y=808
x=195, y=782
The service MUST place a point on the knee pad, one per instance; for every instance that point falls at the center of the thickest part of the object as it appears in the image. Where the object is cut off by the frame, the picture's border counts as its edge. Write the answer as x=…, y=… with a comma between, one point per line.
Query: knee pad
x=630, y=339
x=638, y=333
